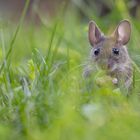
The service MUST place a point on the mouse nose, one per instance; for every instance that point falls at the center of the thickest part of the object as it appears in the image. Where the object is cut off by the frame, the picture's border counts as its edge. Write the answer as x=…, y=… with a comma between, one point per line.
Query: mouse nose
x=110, y=64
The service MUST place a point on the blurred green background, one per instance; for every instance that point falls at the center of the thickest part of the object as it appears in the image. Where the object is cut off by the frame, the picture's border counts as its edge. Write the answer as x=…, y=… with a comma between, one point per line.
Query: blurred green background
x=43, y=50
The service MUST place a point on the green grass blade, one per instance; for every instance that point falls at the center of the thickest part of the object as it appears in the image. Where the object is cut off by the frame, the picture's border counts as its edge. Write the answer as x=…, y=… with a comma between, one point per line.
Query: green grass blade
x=15, y=34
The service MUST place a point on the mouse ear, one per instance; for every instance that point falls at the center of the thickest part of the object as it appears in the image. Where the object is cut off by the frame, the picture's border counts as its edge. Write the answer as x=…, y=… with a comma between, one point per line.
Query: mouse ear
x=94, y=33
x=123, y=32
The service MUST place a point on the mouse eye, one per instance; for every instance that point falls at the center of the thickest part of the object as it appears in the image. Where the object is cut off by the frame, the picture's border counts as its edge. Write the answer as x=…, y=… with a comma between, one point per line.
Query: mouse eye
x=96, y=51
x=115, y=51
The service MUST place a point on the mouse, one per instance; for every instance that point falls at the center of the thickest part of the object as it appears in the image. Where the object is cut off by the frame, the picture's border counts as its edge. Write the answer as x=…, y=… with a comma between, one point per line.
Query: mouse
x=110, y=53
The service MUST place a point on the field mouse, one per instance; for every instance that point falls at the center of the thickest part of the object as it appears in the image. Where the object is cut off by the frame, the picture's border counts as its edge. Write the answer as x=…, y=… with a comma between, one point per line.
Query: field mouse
x=110, y=53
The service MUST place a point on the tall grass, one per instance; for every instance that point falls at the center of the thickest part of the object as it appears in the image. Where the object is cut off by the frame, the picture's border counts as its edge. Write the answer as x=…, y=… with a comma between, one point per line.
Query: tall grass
x=42, y=92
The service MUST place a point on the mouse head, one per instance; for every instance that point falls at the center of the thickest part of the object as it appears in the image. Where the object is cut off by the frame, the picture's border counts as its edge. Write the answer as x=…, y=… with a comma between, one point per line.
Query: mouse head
x=109, y=51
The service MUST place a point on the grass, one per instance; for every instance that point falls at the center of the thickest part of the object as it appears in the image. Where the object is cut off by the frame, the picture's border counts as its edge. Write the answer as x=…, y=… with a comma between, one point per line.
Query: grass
x=42, y=92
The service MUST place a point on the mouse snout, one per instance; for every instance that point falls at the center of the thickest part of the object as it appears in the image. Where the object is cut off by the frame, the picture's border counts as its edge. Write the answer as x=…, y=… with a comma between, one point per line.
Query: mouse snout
x=111, y=65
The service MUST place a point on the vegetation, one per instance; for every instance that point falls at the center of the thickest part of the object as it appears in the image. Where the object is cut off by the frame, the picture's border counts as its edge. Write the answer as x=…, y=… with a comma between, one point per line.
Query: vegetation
x=42, y=92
